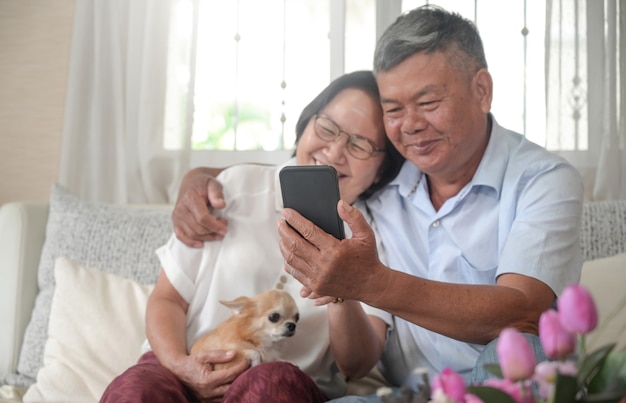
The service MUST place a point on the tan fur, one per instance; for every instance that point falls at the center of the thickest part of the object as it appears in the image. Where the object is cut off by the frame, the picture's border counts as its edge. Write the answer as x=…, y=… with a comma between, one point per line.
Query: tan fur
x=250, y=331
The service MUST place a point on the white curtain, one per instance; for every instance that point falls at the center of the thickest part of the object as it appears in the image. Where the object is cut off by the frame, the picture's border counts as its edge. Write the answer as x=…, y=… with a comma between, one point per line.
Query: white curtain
x=586, y=91
x=112, y=147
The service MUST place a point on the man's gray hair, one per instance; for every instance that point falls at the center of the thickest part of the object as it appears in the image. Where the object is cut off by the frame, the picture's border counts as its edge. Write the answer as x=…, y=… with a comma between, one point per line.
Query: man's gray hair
x=430, y=29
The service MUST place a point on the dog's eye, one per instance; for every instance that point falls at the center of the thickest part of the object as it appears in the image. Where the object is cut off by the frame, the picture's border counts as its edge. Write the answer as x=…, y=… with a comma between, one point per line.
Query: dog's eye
x=297, y=317
x=273, y=317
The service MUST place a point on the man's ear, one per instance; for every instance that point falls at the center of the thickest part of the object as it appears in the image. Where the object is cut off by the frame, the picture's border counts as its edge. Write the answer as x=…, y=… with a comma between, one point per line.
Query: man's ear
x=483, y=89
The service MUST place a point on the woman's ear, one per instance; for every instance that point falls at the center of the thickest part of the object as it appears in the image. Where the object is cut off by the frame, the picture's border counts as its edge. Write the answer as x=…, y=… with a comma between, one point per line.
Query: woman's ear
x=483, y=88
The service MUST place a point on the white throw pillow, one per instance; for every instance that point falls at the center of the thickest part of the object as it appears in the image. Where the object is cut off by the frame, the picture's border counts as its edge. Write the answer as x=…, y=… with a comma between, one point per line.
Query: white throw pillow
x=118, y=239
x=95, y=332
x=606, y=281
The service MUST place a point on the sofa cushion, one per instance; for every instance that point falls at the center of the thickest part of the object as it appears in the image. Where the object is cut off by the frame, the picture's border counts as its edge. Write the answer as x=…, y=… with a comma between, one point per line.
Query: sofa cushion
x=118, y=239
x=96, y=330
x=603, y=229
x=605, y=279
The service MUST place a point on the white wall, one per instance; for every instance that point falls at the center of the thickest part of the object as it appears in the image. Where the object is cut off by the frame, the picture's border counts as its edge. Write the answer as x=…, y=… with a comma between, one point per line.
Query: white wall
x=35, y=40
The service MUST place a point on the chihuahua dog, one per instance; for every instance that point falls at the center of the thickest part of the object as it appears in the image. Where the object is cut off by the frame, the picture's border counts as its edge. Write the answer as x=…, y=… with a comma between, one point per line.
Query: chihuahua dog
x=255, y=327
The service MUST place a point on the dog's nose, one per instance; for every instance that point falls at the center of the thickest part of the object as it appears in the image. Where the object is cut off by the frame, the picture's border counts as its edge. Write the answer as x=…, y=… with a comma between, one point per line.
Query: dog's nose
x=291, y=326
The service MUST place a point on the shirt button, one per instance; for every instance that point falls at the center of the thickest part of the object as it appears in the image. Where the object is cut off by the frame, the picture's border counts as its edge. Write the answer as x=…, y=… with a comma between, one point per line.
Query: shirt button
x=280, y=286
x=436, y=224
x=283, y=279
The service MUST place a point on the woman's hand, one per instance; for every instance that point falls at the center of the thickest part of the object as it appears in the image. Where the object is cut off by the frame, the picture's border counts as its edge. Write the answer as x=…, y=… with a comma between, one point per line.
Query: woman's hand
x=166, y=320
x=196, y=371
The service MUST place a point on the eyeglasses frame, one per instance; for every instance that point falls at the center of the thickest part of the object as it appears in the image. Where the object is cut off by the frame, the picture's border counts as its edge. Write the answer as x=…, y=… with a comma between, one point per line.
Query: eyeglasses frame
x=350, y=136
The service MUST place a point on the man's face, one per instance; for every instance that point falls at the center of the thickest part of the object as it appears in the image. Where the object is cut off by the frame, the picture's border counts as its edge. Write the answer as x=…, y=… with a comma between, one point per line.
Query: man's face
x=435, y=115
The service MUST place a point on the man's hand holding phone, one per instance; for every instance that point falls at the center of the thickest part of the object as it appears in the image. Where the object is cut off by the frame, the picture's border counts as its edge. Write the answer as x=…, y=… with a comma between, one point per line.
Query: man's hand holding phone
x=349, y=268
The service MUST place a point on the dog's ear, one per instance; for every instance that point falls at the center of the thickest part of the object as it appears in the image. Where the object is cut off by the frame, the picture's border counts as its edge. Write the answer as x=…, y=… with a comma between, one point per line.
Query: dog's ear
x=236, y=305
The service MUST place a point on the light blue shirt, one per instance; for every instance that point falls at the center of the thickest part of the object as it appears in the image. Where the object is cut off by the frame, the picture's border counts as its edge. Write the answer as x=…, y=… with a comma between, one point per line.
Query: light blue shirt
x=520, y=213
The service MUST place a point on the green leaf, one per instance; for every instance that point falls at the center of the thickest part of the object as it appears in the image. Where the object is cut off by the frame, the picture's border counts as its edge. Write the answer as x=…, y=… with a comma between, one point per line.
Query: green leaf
x=591, y=364
x=604, y=397
x=494, y=369
x=565, y=389
x=611, y=376
x=490, y=395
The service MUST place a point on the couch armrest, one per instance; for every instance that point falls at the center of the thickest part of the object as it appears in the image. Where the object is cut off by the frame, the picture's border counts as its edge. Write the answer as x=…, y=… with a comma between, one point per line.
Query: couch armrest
x=22, y=234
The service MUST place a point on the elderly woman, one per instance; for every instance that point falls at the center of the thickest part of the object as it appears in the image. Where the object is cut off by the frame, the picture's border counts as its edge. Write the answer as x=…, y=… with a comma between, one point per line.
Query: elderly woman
x=341, y=127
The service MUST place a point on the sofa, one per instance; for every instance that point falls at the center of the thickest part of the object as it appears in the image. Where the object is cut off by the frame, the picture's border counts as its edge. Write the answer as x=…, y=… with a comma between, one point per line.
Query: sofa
x=75, y=277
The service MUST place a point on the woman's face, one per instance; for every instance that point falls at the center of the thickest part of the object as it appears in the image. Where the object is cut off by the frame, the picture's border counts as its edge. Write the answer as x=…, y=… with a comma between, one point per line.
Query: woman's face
x=354, y=112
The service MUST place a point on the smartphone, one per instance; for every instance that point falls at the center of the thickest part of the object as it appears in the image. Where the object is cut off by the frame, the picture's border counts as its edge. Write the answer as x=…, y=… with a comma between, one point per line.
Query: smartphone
x=313, y=191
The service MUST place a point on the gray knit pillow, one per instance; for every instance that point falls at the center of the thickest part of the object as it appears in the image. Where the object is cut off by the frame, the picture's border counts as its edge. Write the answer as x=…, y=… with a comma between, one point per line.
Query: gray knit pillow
x=119, y=239
x=603, y=229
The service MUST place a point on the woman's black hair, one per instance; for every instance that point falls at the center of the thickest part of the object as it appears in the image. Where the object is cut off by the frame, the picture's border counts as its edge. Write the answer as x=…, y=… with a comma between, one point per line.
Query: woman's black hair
x=363, y=80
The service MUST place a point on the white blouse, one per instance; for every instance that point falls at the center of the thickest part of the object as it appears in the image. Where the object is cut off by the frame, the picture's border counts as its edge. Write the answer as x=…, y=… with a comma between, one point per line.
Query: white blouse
x=247, y=262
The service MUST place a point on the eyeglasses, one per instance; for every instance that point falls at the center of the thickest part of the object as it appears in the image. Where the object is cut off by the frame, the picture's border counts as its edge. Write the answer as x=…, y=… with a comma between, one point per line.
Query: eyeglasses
x=358, y=146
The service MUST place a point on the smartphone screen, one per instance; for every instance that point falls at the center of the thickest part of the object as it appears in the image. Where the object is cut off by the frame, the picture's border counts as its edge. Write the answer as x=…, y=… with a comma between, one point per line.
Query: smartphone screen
x=313, y=191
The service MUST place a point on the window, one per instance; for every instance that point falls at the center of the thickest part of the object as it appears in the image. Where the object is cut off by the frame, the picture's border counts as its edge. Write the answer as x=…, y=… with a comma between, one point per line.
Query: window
x=241, y=71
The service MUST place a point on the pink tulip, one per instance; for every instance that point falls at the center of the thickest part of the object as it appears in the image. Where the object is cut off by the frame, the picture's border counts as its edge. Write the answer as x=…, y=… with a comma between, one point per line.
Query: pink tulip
x=451, y=383
x=577, y=310
x=517, y=358
x=556, y=341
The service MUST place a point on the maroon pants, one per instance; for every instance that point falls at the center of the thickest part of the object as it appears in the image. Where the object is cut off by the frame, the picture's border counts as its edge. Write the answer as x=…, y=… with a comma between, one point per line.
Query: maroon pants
x=149, y=381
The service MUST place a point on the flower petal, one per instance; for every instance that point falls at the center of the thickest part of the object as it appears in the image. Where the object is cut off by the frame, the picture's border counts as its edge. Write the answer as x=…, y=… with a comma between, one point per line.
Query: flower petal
x=577, y=310
x=517, y=358
x=556, y=341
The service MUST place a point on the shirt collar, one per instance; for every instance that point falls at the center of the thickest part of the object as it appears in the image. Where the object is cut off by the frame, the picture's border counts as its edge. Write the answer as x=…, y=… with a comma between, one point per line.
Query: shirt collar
x=278, y=195
x=492, y=167
x=406, y=180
